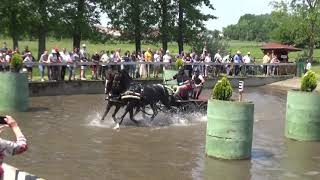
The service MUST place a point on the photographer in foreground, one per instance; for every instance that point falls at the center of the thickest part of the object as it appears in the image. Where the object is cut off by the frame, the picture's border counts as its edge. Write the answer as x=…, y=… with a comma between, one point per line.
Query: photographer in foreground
x=8, y=148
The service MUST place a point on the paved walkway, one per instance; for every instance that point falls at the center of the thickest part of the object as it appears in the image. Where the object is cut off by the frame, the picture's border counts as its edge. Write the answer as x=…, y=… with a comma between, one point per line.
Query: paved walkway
x=293, y=83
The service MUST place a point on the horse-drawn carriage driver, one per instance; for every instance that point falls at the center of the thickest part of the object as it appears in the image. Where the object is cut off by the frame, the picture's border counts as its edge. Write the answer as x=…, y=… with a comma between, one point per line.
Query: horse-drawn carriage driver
x=184, y=84
x=198, y=82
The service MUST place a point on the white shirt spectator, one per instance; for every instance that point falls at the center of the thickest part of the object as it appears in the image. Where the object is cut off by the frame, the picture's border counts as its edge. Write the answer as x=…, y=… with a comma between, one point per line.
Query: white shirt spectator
x=105, y=58
x=65, y=57
x=308, y=67
x=52, y=58
x=28, y=61
x=117, y=57
x=217, y=58
x=8, y=58
x=246, y=59
x=167, y=58
x=207, y=59
x=83, y=54
x=156, y=57
x=75, y=57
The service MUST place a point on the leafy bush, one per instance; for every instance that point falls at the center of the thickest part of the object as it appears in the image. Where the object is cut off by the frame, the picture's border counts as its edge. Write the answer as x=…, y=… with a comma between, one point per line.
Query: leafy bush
x=16, y=62
x=309, y=81
x=222, y=90
x=179, y=63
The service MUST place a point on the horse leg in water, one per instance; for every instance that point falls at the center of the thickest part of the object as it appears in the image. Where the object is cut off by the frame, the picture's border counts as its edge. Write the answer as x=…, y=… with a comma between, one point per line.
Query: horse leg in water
x=154, y=109
x=109, y=105
x=118, y=106
x=129, y=109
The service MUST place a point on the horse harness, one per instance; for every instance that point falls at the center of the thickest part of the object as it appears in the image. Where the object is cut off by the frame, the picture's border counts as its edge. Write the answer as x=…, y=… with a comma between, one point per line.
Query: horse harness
x=133, y=94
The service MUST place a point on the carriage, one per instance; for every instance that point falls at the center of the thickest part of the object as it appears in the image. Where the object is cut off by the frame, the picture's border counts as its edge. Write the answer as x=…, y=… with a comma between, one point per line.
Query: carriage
x=189, y=104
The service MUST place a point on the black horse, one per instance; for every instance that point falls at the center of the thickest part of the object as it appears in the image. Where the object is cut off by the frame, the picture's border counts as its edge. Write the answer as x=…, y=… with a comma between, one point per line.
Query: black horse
x=115, y=85
x=148, y=95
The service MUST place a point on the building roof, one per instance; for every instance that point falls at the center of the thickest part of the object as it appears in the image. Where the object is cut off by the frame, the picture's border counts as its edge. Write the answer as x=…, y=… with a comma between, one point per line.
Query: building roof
x=278, y=46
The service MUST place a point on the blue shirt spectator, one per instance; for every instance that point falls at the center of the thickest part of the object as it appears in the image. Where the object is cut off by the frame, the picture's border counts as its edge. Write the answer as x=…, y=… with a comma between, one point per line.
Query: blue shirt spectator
x=238, y=58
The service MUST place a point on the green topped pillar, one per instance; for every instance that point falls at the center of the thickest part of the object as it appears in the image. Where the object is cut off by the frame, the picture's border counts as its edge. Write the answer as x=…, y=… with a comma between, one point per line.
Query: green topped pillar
x=303, y=116
x=229, y=129
x=14, y=92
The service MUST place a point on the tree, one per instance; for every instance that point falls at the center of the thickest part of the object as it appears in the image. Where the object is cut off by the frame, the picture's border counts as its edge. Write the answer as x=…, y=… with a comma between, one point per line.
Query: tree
x=310, y=11
x=251, y=28
x=77, y=18
x=165, y=10
x=14, y=18
x=132, y=17
x=191, y=19
x=43, y=16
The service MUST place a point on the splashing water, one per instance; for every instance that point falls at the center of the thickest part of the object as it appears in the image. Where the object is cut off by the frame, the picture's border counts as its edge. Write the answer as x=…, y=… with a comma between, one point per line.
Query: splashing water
x=94, y=120
x=161, y=120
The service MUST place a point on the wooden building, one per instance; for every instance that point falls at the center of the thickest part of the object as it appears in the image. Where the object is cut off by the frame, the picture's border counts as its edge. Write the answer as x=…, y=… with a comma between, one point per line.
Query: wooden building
x=280, y=50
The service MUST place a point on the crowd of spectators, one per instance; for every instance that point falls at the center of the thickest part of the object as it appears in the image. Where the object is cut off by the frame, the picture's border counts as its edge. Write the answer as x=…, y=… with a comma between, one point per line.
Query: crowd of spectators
x=100, y=60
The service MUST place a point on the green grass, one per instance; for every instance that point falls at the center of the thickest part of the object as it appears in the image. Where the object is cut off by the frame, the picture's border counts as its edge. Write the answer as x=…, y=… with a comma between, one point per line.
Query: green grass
x=316, y=69
x=92, y=47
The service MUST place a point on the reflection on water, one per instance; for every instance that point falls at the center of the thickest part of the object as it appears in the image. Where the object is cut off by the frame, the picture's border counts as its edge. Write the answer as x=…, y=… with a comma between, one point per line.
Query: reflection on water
x=306, y=157
x=68, y=141
x=228, y=170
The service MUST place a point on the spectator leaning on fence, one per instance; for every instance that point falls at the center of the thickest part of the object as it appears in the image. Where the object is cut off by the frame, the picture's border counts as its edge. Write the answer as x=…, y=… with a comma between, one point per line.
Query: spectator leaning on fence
x=274, y=67
x=142, y=68
x=227, y=59
x=43, y=59
x=207, y=60
x=64, y=56
x=148, y=58
x=237, y=60
x=83, y=59
x=133, y=67
x=117, y=58
x=266, y=60
x=94, y=70
x=53, y=58
x=105, y=59
x=75, y=57
x=7, y=60
x=25, y=52
x=28, y=60
x=167, y=59
x=247, y=60
x=157, y=59
x=217, y=59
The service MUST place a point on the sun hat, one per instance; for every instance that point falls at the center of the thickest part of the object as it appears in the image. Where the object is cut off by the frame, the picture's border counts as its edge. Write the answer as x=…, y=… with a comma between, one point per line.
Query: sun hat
x=238, y=52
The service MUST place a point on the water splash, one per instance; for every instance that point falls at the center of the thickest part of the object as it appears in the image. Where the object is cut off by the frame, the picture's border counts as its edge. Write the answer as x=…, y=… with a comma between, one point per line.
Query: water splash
x=161, y=120
x=94, y=120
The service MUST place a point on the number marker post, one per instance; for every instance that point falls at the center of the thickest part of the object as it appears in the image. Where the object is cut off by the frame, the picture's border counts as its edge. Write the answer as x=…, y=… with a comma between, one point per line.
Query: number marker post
x=241, y=87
